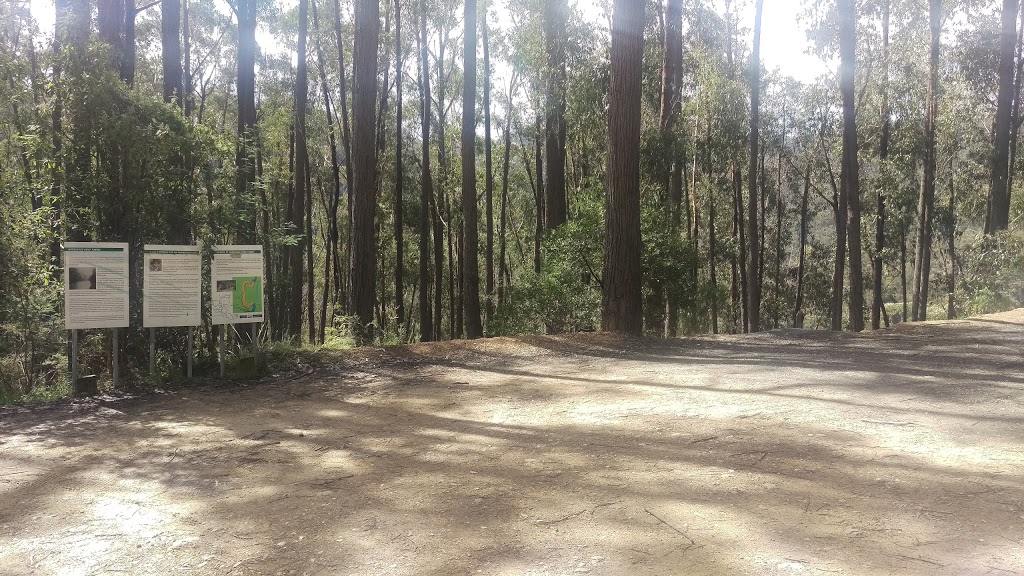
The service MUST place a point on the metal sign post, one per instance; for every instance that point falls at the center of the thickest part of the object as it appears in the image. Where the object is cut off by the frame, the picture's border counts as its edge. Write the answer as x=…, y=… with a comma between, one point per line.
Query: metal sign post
x=114, y=359
x=74, y=359
x=190, y=343
x=152, y=351
x=255, y=343
x=222, y=330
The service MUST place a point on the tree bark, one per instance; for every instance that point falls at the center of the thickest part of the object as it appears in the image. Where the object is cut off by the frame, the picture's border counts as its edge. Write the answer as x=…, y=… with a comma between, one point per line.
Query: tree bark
x=798, y=313
x=399, y=173
x=426, y=184
x=753, y=251
x=850, y=171
x=246, y=94
x=877, y=304
x=170, y=43
x=363, y=268
x=298, y=209
x=999, y=192
x=470, y=262
x=622, y=275
x=555, y=23
x=488, y=177
x=926, y=208
x=346, y=144
x=332, y=276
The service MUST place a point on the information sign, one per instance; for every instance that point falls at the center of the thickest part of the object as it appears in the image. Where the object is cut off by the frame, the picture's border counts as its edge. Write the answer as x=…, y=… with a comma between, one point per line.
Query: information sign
x=172, y=286
x=236, y=281
x=95, y=285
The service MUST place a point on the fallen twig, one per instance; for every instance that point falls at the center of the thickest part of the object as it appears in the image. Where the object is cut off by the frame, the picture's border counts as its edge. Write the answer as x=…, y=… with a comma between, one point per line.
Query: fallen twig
x=674, y=529
x=562, y=519
x=705, y=439
x=889, y=422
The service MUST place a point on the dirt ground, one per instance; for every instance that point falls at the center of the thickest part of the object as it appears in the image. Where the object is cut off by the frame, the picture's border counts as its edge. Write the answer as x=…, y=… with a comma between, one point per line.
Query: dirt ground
x=788, y=452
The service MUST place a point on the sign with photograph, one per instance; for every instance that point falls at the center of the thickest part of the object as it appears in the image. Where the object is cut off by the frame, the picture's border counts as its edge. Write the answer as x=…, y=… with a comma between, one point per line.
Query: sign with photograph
x=95, y=285
x=172, y=286
x=236, y=284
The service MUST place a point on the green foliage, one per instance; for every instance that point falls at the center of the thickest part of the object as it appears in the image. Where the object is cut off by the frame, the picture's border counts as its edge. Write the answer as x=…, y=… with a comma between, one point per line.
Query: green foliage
x=993, y=274
x=566, y=295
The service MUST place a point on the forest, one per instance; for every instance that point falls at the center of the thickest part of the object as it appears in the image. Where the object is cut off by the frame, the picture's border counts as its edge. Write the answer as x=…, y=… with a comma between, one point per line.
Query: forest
x=426, y=170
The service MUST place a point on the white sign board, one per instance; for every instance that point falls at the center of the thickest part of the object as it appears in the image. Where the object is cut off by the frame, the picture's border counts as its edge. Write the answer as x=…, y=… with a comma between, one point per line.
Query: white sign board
x=236, y=284
x=95, y=285
x=172, y=286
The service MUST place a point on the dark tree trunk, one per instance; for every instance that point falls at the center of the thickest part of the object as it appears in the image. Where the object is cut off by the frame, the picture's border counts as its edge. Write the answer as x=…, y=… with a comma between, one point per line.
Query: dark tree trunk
x=740, y=228
x=363, y=268
x=246, y=91
x=488, y=177
x=555, y=23
x=189, y=87
x=170, y=43
x=850, y=172
x=926, y=208
x=346, y=143
x=470, y=262
x=877, y=304
x=310, y=273
x=622, y=275
x=999, y=192
x=399, y=173
x=671, y=110
x=298, y=208
x=539, y=197
x=951, y=304
x=798, y=313
x=332, y=276
x=754, y=250
x=712, y=257
x=502, y=266
x=426, y=185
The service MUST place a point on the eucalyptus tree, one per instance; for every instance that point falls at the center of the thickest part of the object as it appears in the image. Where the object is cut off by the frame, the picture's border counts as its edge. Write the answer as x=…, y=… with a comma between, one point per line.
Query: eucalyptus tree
x=470, y=262
x=363, y=267
x=621, y=304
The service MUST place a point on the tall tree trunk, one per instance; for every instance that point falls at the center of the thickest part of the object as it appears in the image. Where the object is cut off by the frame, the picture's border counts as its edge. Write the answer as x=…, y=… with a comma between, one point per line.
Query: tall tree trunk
x=753, y=251
x=502, y=267
x=539, y=197
x=999, y=192
x=951, y=305
x=798, y=313
x=426, y=185
x=922, y=268
x=903, y=270
x=740, y=233
x=399, y=173
x=712, y=257
x=555, y=23
x=186, y=42
x=332, y=267
x=310, y=273
x=298, y=209
x=488, y=177
x=363, y=268
x=246, y=94
x=170, y=43
x=470, y=262
x=850, y=172
x=877, y=304
x=622, y=275
x=671, y=110
x=346, y=144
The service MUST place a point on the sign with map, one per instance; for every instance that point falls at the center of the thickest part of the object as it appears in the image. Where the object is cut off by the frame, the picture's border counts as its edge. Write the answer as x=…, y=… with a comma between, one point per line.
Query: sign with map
x=172, y=286
x=236, y=293
x=95, y=285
